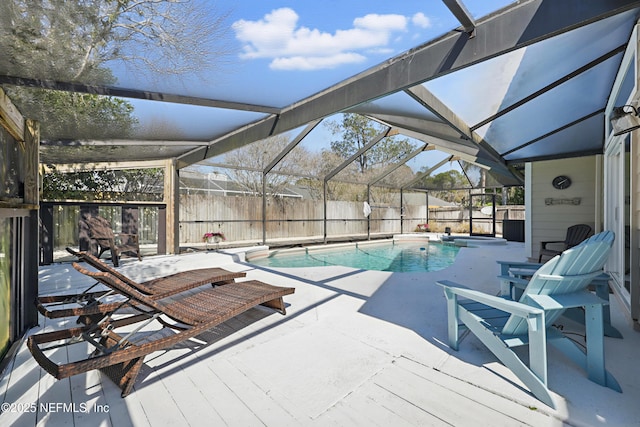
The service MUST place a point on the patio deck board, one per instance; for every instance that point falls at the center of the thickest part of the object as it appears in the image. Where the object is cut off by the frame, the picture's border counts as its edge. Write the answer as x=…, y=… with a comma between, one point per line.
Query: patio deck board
x=341, y=356
x=440, y=402
x=257, y=400
x=376, y=405
x=460, y=388
x=23, y=388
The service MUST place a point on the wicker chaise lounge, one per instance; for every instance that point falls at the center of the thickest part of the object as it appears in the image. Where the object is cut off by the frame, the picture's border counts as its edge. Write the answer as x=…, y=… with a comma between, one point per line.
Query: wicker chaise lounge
x=89, y=303
x=119, y=349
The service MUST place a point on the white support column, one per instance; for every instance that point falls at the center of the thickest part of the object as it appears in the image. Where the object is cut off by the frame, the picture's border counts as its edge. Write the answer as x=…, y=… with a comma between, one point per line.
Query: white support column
x=528, y=206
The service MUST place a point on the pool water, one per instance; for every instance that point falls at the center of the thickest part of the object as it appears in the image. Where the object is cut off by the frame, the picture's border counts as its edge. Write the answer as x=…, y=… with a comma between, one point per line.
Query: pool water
x=384, y=257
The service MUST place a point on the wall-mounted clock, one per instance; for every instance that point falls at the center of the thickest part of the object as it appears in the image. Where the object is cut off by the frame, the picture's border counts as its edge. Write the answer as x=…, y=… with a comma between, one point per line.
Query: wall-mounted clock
x=561, y=182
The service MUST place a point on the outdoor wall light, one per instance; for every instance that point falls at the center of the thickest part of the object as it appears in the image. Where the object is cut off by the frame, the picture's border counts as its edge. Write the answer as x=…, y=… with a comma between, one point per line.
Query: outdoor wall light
x=624, y=119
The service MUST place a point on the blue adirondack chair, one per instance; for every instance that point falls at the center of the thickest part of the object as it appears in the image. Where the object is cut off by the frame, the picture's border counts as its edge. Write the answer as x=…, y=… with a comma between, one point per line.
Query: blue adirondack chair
x=514, y=278
x=502, y=324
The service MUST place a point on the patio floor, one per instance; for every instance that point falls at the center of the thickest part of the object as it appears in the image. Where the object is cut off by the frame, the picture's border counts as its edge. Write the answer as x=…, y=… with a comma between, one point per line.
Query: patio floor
x=355, y=348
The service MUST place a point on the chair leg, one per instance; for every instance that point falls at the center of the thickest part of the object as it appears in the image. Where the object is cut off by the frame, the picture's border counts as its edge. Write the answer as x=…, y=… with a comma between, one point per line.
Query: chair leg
x=593, y=360
x=508, y=358
x=115, y=257
x=276, y=304
x=452, y=319
x=124, y=374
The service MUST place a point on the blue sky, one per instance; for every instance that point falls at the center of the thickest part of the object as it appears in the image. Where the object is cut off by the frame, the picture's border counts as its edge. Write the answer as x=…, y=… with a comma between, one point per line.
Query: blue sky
x=284, y=51
x=291, y=49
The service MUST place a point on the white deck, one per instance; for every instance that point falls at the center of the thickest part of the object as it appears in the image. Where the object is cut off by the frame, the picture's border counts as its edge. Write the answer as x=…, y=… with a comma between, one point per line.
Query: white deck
x=355, y=348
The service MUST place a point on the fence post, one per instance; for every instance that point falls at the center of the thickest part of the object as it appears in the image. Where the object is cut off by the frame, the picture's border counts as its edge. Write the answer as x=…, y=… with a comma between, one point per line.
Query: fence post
x=369, y=216
x=264, y=208
x=46, y=234
x=324, y=215
x=162, y=230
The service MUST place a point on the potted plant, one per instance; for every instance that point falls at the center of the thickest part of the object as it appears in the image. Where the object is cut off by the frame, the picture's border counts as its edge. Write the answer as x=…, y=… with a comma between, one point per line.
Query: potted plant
x=213, y=237
x=422, y=227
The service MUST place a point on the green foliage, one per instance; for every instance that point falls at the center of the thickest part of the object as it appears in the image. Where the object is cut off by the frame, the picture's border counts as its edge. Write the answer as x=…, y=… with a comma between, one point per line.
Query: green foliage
x=120, y=185
x=68, y=115
x=507, y=195
x=355, y=132
x=75, y=41
x=447, y=186
x=58, y=40
x=451, y=179
x=515, y=195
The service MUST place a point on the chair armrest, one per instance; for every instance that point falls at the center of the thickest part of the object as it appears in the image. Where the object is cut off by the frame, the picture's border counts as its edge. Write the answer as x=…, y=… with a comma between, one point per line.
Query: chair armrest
x=520, y=264
x=519, y=282
x=105, y=241
x=543, y=245
x=507, y=266
x=523, y=271
x=125, y=237
x=591, y=275
x=509, y=306
x=574, y=299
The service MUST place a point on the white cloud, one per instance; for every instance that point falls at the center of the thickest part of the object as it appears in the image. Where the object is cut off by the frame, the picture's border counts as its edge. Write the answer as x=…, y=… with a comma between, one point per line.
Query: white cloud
x=381, y=51
x=315, y=62
x=421, y=20
x=377, y=22
x=277, y=36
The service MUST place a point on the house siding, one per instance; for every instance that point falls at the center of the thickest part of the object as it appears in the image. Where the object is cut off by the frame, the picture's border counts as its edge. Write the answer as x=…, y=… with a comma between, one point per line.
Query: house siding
x=550, y=222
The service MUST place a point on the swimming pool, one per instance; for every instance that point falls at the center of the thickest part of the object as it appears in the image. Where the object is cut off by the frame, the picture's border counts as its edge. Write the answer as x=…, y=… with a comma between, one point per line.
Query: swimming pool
x=405, y=257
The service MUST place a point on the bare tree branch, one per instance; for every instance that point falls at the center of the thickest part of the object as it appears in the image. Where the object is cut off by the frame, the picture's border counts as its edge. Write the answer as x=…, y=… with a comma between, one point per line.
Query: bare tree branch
x=68, y=40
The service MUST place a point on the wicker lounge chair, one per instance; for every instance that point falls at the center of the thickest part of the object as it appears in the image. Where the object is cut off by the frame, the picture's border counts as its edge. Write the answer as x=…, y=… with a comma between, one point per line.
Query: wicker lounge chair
x=101, y=232
x=90, y=303
x=575, y=235
x=120, y=354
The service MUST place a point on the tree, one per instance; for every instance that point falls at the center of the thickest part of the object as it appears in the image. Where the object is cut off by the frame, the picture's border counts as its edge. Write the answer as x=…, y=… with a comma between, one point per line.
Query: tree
x=145, y=184
x=449, y=180
x=251, y=160
x=446, y=185
x=68, y=115
x=513, y=195
x=73, y=40
x=355, y=132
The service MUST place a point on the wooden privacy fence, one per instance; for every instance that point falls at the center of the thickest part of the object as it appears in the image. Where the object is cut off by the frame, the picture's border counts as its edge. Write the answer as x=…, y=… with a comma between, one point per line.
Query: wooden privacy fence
x=240, y=218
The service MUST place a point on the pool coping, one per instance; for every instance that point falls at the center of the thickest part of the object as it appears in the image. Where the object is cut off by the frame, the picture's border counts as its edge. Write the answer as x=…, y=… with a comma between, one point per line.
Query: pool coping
x=265, y=251
x=461, y=241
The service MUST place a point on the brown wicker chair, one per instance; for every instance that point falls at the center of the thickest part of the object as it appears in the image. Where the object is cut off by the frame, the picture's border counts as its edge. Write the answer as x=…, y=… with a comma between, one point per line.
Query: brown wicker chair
x=89, y=303
x=575, y=235
x=120, y=354
x=117, y=243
